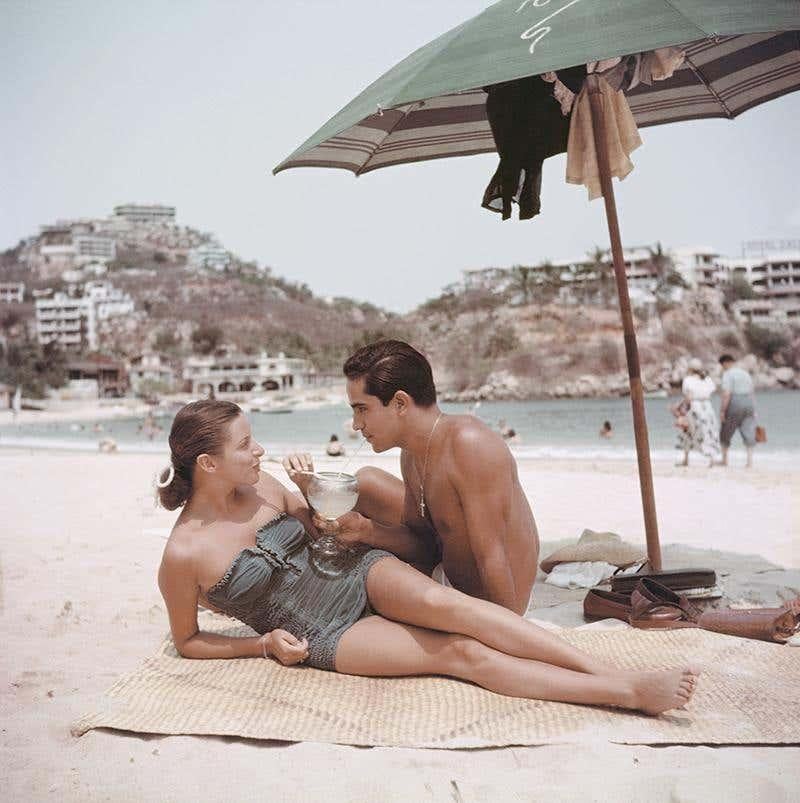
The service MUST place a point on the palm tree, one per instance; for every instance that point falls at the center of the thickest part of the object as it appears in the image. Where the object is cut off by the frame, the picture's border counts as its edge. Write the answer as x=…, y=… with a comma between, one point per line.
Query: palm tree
x=664, y=268
x=521, y=281
x=550, y=280
x=601, y=271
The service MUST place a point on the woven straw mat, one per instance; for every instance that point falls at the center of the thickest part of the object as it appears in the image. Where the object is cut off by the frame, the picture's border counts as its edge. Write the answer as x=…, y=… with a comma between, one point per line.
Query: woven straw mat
x=749, y=693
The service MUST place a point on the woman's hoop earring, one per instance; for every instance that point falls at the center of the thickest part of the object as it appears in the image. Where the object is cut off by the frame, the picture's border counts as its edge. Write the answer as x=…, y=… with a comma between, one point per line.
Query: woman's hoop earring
x=170, y=476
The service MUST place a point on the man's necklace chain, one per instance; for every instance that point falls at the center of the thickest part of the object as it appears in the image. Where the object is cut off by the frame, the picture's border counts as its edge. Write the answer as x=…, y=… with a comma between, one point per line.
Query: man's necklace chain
x=424, y=473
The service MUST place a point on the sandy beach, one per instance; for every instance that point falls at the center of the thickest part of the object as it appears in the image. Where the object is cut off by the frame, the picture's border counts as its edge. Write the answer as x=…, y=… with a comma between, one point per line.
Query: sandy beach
x=81, y=542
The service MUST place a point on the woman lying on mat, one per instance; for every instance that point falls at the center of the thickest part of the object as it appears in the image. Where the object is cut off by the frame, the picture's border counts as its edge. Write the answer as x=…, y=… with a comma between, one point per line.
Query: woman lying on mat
x=241, y=546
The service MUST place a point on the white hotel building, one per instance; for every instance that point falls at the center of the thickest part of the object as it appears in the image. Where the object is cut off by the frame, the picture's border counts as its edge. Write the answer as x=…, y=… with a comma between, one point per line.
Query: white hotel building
x=145, y=213
x=93, y=248
x=241, y=373
x=209, y=255
x=775, y=276
x=72, y=321
x=12, y=292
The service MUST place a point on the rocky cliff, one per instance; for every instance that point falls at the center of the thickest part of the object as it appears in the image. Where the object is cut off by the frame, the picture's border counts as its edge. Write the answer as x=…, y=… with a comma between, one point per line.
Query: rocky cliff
x=553, y=350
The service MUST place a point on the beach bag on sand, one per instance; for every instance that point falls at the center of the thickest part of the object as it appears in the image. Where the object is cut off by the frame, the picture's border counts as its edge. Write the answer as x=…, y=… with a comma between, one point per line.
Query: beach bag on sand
x=761, y=434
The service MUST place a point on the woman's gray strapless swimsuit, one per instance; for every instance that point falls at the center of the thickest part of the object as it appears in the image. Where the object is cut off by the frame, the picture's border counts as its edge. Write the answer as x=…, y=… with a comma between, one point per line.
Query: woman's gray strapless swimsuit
x=276, y=585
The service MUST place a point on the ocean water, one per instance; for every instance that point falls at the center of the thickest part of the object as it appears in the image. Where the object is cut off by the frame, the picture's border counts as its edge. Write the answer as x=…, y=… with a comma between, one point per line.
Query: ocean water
x=557, y=428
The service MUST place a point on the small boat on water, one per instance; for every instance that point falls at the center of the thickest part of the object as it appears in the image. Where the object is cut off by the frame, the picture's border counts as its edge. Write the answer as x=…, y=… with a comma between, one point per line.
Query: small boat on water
x=272, y=410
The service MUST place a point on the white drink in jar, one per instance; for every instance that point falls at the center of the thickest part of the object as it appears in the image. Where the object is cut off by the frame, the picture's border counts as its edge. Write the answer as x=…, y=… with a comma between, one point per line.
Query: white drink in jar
x=331, y=494
x=331, y=503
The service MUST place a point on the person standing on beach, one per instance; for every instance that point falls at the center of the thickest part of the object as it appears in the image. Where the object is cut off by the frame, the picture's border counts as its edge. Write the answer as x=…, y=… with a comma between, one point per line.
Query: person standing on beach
x=701, y=434
x=460, y=500
x=737, y=410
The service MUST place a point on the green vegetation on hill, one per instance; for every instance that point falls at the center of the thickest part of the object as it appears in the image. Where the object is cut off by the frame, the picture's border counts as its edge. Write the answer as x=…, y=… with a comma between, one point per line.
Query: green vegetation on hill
x=542, y=325
x=33, y=367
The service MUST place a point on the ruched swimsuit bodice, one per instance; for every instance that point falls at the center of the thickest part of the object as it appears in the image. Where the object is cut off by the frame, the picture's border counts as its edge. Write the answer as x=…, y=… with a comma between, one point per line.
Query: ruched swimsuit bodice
x=275, y=584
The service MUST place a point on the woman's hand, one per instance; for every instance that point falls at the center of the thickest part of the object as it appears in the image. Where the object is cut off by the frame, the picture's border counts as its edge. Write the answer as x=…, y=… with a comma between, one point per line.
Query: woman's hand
x=299, y=467
x=282, y=645
x=350, y=529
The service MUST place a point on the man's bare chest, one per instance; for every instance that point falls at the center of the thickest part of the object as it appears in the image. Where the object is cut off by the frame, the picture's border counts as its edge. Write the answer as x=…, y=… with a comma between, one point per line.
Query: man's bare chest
x=436, y=501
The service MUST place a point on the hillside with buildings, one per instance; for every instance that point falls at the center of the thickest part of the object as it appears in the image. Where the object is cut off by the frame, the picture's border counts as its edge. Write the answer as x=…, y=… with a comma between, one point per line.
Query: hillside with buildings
x=135, y=302
x=554, y=330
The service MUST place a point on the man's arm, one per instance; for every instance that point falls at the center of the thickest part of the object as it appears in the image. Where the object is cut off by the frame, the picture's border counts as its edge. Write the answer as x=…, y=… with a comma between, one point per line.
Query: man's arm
x=389, y=519
x=483, y=477
x=409, y=544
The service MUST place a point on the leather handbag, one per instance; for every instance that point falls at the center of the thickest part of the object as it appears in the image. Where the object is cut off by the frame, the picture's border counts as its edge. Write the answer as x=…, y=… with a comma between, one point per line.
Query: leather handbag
x=761, y=434
x=655, y=607
x=765, y=624
x=674, y=579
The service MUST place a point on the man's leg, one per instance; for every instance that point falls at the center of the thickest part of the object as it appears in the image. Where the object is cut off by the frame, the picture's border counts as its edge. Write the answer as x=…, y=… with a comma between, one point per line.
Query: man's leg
x=748, y=431
x=726, y=430
x=381, y=495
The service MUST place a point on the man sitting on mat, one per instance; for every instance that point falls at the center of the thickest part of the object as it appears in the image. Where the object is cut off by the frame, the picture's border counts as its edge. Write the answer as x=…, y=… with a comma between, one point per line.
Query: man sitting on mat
x=460, y=500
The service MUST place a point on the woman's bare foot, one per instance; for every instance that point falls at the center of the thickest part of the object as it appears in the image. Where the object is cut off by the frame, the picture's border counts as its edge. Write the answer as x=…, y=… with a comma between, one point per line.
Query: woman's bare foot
x=655, y=692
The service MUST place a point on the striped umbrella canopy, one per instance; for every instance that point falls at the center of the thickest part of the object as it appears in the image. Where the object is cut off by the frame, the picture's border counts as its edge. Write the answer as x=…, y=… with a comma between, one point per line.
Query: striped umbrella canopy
x=739, y=53
x=431, y=105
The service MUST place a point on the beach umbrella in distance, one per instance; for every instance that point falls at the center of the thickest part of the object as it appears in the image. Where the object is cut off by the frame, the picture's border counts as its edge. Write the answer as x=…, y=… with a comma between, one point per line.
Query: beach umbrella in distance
x=433, y=104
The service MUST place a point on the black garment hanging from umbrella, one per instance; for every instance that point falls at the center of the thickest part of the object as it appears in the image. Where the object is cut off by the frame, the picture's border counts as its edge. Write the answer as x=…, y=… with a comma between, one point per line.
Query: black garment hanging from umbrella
x=528, y=127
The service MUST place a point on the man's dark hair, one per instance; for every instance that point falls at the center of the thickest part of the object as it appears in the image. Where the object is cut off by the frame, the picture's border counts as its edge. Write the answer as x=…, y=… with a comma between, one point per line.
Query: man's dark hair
x=391, y=365
x=726, y=358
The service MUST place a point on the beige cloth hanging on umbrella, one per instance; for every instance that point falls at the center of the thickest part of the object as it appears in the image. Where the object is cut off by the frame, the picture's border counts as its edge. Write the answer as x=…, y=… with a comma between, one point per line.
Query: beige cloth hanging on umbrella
x=622, y=137
x=621, y=129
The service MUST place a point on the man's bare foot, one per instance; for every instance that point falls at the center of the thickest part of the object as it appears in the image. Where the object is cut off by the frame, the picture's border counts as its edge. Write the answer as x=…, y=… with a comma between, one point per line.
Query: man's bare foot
x=655, y=692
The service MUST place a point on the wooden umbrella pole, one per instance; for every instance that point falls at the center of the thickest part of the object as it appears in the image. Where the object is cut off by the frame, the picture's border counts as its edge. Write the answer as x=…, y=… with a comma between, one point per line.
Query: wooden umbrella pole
x=631, y=348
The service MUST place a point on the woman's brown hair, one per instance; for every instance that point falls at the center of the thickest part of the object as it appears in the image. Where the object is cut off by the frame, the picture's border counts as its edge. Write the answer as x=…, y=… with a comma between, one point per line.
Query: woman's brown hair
x=199, y=428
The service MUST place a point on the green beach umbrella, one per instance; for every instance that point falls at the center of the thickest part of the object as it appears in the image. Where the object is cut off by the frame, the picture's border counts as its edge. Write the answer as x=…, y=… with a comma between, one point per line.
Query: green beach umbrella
x=738, y=54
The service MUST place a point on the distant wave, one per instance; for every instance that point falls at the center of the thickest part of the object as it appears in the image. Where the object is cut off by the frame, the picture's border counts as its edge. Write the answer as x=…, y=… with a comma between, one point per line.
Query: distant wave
x=772, y=459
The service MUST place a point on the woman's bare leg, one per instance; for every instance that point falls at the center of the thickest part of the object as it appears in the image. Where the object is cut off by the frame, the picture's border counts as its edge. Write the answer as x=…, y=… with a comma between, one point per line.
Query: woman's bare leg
x=399, y=592
x=377, y=647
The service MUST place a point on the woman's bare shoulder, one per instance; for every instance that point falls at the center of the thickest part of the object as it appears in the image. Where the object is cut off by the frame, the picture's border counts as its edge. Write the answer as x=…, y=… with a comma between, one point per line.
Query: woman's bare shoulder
x=271, y=491
x=182, y=543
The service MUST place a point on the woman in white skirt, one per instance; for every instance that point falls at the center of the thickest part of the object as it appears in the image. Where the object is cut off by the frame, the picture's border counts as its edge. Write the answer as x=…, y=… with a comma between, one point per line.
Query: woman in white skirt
x=702, y=432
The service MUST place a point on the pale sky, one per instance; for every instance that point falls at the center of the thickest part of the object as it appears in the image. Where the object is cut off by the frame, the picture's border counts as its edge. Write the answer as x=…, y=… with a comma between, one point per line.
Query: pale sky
x=193, y=104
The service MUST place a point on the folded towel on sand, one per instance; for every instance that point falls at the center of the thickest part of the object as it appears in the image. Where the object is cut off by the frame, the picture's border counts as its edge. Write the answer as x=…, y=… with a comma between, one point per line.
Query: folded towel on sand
x=584, y=574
